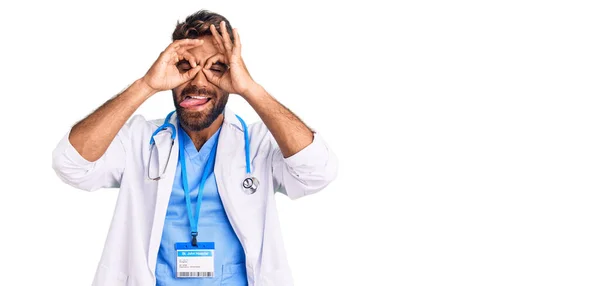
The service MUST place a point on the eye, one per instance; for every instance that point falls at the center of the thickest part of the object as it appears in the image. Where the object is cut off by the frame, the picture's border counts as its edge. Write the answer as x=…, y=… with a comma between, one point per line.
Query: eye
x=183, y=66
x=218, y=68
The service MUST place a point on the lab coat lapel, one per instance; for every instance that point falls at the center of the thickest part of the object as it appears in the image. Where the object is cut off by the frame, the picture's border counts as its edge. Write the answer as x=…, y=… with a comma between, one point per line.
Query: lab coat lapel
x=231, y=142
x=227, y=139
x=164, y=188
x=225, y=151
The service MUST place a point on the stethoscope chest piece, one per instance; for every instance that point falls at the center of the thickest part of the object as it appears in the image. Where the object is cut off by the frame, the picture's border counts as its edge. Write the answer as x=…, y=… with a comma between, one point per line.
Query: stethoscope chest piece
x=249, y=185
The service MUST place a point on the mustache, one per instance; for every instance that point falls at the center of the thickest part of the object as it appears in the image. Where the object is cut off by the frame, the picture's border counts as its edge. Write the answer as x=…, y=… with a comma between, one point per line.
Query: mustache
x=194, y=90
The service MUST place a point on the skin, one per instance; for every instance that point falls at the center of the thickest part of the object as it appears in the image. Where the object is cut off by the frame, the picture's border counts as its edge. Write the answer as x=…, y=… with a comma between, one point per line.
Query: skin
x=206, y=56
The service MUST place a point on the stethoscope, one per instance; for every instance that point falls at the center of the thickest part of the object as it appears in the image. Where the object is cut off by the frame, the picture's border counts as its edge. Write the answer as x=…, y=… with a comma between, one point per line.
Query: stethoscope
x=249, y=184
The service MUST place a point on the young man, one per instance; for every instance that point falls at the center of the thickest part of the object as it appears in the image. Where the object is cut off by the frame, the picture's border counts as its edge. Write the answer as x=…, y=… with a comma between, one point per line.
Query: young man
x=196, y=204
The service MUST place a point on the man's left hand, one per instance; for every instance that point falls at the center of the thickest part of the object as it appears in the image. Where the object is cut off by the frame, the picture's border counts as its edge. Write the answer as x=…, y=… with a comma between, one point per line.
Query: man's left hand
x=236, y=78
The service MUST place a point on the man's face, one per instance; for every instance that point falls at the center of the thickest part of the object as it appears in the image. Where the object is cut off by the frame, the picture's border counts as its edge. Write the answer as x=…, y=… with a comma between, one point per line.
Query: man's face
x=199, y=102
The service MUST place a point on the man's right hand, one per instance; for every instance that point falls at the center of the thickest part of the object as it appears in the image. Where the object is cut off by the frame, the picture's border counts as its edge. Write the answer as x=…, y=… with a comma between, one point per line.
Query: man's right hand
x=164, y=74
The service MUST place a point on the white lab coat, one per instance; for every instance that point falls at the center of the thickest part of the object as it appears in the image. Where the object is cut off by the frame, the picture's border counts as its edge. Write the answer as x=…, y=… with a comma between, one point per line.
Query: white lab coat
x=131, y=247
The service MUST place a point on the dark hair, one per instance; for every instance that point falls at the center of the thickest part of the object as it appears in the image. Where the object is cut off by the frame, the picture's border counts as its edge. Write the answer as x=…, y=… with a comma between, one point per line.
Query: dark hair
x=198, y=25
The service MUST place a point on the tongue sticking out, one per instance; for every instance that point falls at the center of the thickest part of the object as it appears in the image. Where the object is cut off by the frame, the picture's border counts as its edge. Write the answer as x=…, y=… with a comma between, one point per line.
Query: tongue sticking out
x=189, y=102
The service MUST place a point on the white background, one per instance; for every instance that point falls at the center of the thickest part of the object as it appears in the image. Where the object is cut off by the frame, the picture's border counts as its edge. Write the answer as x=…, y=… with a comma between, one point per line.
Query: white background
x=467, y=133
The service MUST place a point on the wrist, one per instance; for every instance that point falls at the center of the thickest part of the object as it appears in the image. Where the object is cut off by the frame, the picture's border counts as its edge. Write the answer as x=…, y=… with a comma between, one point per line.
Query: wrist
x=255, y=90
x=143, y=88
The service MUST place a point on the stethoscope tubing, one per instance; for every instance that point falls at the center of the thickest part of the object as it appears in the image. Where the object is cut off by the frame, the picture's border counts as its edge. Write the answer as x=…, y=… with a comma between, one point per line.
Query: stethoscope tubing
x=249, y=184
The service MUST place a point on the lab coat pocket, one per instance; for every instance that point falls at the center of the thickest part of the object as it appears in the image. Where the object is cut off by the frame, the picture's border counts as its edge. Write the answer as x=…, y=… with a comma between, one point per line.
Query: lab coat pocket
x=234, y=275
x=107, y=276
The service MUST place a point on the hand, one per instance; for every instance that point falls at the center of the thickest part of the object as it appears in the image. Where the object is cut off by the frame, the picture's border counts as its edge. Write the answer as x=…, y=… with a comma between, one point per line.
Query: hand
x=164, y=74
x=235, y=78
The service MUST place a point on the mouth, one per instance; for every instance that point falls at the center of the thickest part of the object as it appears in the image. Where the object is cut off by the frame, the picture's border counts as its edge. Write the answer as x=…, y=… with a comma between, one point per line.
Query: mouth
x=194, y=102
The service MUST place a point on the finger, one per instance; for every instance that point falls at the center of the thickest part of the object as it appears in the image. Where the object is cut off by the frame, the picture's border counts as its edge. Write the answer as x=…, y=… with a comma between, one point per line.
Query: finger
x=220, y=48
x=211, y=77
x=189, y=57
x=216, y=76
x=226, y=38
x=171, y=58
x=214, y=59
x=217, y=39
x=237, y=45
x=184, y=43
x=191, y=73
x=190, y=45
x=168, y=56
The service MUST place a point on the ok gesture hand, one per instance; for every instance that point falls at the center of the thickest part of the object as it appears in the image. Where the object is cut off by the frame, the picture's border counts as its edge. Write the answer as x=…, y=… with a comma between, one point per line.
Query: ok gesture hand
x=164, y=75
x=227, y=69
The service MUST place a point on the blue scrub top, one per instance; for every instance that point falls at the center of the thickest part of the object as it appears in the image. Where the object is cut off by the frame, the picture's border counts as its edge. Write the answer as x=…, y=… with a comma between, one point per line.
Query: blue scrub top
x=213, y=224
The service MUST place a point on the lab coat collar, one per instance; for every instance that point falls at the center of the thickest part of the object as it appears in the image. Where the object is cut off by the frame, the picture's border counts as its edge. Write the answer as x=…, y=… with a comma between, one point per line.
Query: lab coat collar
x=230, y=119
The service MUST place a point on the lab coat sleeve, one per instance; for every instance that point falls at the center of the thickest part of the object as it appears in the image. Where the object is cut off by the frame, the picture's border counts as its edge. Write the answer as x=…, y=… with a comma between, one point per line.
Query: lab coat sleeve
x=106, y=172
x=306, y=172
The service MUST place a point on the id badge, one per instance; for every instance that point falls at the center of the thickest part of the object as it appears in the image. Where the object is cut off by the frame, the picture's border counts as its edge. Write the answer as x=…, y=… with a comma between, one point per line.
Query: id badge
x=195, y=261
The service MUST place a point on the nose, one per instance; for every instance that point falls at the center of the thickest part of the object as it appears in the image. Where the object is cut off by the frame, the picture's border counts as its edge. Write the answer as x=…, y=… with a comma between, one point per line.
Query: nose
x=200, y=80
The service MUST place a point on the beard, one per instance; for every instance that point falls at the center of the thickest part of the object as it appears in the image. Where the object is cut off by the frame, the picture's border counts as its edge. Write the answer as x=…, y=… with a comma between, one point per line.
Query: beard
x=199, y=120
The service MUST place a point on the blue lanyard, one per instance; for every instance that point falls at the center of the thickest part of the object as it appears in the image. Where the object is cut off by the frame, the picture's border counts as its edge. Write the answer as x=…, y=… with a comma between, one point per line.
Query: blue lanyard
x=186, y=189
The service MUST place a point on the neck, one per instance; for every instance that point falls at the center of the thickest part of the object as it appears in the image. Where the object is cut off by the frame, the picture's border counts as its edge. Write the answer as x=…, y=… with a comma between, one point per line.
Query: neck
x=200, y=137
